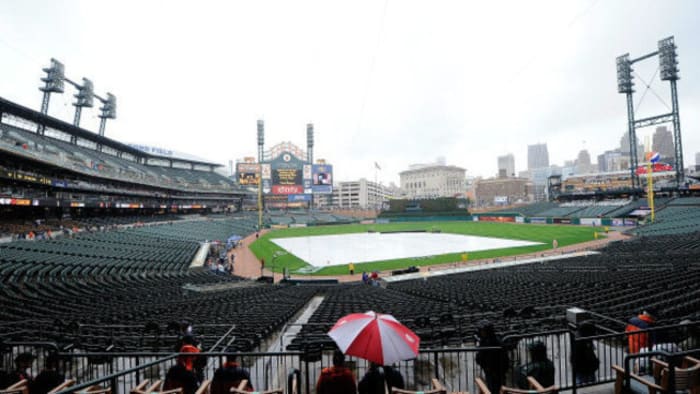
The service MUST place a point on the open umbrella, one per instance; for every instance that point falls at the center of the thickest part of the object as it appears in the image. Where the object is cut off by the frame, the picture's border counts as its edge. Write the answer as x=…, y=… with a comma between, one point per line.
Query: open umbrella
x=375, y=337
x=234, y=238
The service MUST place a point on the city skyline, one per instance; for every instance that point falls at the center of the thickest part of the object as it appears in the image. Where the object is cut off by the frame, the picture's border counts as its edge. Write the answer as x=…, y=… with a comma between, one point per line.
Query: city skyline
x=386, y=93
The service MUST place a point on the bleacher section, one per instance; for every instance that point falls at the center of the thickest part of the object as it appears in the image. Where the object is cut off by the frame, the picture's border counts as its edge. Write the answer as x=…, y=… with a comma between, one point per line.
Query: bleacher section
x=96, y=312
x=93, y=163
x=673, y=219
x=559, y=212
x=529, y=210
x=661, y=273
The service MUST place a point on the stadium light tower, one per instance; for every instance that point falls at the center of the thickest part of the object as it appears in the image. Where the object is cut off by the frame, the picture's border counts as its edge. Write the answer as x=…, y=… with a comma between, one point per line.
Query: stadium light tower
x=625, y=85
x=84, y=98
x=107, y=111
x=668, y=66
x=53, y=83
x=261, y=147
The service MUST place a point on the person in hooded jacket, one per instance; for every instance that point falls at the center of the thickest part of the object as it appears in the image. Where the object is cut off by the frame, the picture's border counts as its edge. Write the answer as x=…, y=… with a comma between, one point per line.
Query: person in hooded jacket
x=494, y=362
x=584, y=356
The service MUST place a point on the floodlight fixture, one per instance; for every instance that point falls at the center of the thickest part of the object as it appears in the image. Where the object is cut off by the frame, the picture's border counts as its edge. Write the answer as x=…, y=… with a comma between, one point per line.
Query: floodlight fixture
x=261, y=132
x=310, y=142
x=84, y=98
x=109, y=107
x=625, y=84
x=310, y=135
x=53, y=83
x=54, y=77
x=107, y=111
x=668, y=60
x=85, y=95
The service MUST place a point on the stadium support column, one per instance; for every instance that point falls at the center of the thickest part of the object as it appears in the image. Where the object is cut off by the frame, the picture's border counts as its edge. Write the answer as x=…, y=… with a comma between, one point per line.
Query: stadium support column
x=634, y=158
x=677, y=143
x=310, y=152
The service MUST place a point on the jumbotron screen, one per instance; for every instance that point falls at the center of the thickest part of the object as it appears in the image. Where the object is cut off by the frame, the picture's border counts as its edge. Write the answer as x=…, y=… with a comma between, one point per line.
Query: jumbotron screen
x=287, y=181
x=248, y=174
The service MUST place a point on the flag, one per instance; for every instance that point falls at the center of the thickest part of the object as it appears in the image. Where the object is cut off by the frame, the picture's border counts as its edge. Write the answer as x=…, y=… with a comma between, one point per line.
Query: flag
x=377, y=166
x=653, y=157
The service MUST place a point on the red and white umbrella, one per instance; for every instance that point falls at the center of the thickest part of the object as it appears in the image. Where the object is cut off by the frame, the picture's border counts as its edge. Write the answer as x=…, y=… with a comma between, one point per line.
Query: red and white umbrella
x=375, y=337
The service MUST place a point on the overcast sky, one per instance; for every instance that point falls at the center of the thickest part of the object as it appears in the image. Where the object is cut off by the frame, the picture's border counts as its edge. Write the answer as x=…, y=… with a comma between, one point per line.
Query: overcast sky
x=395, y=82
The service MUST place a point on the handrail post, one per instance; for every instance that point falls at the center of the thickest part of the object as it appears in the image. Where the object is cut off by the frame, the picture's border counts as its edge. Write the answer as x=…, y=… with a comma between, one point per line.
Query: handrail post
x=572, y=341
x=437, y=367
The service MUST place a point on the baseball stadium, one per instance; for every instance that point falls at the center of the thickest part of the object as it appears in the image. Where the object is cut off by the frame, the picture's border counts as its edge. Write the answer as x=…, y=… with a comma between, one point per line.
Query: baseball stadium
x=127, y=268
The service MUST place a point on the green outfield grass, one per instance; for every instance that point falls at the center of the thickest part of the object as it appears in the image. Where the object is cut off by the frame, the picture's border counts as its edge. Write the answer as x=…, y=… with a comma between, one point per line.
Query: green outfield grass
x=276, y=258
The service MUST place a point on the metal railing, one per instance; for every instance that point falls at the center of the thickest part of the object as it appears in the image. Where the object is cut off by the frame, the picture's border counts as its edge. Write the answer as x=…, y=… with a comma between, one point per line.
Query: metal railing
x=455, y=367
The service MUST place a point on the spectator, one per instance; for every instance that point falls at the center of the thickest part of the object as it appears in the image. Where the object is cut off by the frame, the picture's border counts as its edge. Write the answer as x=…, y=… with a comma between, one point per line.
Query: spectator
x=179, y=376
x=48, y=378
x=23, y=365
x=379, y=380
x=336, y=379
x=365, y=277
x=638, y=341
x=540, y=367
x=230, y=374
x=584, y=356
x=493, y=362
x=664, y=343
x=692, y=340
x=188, y=346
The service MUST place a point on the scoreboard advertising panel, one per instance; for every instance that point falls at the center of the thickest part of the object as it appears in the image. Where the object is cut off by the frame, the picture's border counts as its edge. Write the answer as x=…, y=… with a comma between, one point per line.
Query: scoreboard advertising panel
x=286, y=171
x=322, y=178
x=248, y=174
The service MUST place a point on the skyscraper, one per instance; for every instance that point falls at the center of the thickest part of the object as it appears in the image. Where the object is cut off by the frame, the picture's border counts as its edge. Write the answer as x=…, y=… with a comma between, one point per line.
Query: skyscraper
x=663, y=143
x=584, y=158
x=506, y=166
x=537, y=156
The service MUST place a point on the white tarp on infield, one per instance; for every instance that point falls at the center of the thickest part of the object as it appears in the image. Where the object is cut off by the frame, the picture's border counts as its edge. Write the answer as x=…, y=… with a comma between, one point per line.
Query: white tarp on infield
x=327, y=250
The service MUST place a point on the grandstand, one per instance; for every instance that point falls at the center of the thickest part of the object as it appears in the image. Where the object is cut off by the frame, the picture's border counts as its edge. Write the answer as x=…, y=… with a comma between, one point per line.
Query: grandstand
x=112, y=275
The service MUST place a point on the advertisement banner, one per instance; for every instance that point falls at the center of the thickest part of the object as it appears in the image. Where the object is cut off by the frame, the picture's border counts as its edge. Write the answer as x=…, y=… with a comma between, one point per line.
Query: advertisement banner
x=266, y=171
x=500, y=219
x=267, y=186
x=322, y=175
x=299, y=197
x=248, y=174
x=538, y=220
x=618, y=222
x=500, y=199
x=282, y=189
x=590, y=221
x=561, y=221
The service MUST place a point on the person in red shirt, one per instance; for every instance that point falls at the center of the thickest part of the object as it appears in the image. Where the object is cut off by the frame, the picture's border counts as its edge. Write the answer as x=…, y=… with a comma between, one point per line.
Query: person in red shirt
x=337, y=379
x=640, y=340
x=189, y=346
